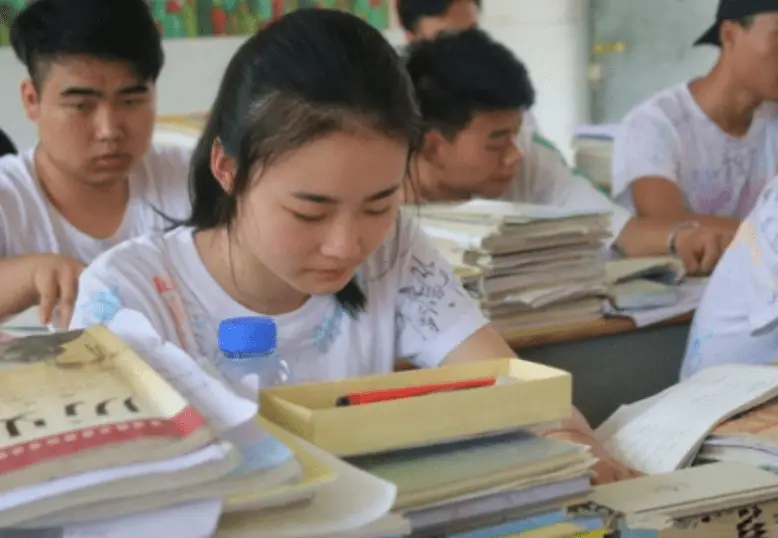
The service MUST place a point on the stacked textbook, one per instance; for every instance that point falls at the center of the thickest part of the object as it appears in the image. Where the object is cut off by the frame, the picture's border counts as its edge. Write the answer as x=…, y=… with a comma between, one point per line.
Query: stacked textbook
x=479, y=471
x=529, y=266
x=86, y=423
x=113, y=447
x=593, y=152
x=722, y=422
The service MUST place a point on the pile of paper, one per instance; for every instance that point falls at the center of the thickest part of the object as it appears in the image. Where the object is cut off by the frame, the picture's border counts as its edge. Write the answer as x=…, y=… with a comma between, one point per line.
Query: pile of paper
x=491, y=486
x=220, y=466
x=665, y=432
x=751, y=438
x=593, y=152
x=536, y=265
x=88, y=424
x=720, y=500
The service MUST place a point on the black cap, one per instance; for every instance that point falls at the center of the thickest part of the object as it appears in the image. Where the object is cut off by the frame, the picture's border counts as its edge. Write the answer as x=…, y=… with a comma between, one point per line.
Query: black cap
x=732, y=10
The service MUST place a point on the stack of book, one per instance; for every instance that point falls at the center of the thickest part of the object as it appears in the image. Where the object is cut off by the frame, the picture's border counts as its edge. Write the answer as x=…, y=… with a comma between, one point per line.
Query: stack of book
x=750, y=437
x=477, y=472
x=719, y=500
x=536, y=265
x=721, y=422
x=593, y=152
x=98, y=442
x=86, y=423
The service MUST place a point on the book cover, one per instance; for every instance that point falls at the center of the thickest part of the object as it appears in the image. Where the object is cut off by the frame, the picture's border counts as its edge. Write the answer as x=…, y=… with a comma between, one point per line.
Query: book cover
x=75, y=401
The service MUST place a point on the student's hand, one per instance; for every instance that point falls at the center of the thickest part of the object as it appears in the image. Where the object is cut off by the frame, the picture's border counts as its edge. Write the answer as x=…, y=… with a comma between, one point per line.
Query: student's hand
x=700, y=248
x=607, y=469
x=55, y=280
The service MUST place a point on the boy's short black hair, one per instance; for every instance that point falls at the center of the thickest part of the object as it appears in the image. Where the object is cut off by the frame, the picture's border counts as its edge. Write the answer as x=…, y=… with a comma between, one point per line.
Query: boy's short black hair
x=118, y=30
x=410, y=11
x=458, y=74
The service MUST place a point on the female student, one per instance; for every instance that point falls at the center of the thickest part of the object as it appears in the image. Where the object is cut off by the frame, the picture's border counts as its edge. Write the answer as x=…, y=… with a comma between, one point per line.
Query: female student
x=296, y=189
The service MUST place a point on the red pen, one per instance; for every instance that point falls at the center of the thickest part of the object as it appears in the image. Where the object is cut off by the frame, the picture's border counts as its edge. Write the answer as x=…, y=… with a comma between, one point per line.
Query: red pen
x=383, y=395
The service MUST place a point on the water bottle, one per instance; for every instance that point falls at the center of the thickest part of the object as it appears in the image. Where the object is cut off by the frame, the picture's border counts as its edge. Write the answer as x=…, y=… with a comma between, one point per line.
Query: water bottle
x=249, y=347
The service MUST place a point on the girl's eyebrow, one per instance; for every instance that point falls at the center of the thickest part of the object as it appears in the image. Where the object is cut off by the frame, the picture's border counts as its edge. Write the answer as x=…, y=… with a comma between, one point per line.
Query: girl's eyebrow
x=322, y=199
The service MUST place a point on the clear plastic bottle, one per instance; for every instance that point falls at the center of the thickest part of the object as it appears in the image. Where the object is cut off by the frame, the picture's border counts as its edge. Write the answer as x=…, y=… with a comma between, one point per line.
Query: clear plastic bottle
x=249, y=347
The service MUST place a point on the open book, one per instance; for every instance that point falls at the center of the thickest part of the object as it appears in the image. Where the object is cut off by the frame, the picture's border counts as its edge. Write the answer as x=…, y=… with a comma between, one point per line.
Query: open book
x=77, y=401
x=663, y=269
x=665, y=432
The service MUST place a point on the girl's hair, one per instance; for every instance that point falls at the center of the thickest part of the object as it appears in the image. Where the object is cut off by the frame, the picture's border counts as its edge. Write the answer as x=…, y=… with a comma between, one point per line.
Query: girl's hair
x=306, y=75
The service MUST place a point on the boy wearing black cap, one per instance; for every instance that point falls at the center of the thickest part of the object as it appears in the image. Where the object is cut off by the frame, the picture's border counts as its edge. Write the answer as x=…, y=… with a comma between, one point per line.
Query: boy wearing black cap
x=700, y=153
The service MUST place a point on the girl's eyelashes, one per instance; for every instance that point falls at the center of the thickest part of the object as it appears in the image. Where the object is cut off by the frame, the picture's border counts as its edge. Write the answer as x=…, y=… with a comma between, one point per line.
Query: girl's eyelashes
x=377, y=212
x=307, y=218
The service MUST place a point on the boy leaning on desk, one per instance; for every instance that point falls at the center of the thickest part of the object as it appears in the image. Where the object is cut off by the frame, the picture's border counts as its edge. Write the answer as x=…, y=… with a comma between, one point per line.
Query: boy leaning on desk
x=479, y=138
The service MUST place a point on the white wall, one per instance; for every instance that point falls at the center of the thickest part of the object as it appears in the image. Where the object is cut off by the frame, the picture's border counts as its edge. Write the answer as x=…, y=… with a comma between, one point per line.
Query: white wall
x=550, y=36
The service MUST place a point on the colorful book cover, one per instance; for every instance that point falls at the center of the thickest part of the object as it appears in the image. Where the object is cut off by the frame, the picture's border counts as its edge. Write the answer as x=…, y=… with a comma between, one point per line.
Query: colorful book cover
x=81, y=400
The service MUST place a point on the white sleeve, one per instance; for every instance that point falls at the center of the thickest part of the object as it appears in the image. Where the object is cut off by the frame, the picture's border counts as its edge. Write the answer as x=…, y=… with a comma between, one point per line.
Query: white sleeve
x=108, y=286
x=565, y=188
x=759, y=236
x=646, y=144
x=434, y=314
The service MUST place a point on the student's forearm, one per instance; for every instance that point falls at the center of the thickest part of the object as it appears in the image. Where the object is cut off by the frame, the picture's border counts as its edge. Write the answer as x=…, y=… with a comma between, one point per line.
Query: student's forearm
x=644, y=237
x=727, y=224
x=576, y=423
x=17, y=292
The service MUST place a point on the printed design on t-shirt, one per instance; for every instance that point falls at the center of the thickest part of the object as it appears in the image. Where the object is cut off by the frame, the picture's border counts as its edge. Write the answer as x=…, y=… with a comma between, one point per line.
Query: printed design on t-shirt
x=102, y=306
x=168, y=290
x=695, y=348
x=710, y=192
x=717, y=190
x=432, y=291
x=327, y=332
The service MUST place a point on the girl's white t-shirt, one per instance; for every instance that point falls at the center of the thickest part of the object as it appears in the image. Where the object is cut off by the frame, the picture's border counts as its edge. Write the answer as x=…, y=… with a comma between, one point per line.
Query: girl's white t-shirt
x=670, y=136
x=416, y=308
x=737, y=319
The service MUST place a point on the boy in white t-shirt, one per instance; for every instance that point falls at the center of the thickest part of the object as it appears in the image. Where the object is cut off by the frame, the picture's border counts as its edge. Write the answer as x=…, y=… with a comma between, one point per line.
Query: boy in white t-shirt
x=92, y=180
x=699, y=154
x=473, y=93
x=295, y=215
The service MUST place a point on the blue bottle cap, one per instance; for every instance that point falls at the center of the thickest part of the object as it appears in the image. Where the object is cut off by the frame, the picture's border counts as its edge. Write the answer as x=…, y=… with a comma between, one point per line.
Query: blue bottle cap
x=241, y=337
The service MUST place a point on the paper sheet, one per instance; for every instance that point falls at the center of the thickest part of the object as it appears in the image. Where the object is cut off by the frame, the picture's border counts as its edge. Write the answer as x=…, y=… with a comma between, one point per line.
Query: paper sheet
x=191, y=520
x=354, y=499
x=690, y=293
x=214, y=400
x=669, y=492
x=665, y=436
x=623, y=415
x=63, y=486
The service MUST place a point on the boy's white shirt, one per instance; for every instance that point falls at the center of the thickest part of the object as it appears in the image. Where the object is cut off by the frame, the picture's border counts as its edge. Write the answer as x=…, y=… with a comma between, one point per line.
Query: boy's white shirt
x=670, y=136
x=416, y=308
x=29, y=224
x=737, y=320
x=545, y=178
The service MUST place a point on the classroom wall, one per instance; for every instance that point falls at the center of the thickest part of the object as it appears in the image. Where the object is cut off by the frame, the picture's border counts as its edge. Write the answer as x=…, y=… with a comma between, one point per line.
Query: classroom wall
x=550, y=36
